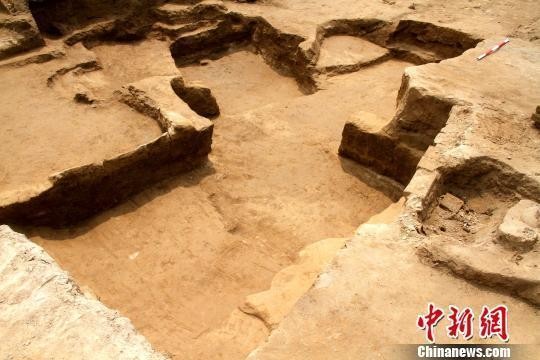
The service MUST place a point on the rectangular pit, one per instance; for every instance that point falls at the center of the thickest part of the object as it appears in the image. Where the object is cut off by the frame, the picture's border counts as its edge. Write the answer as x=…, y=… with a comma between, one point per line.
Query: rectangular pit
x=273, y=185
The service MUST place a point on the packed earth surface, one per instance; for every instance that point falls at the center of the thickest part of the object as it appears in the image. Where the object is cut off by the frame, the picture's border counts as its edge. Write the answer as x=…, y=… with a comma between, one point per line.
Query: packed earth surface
x=279, y=179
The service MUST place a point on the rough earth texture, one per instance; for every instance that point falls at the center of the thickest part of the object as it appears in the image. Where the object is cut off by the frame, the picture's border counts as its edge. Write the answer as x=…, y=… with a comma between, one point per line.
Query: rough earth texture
x=324, y=115
x=44, y=314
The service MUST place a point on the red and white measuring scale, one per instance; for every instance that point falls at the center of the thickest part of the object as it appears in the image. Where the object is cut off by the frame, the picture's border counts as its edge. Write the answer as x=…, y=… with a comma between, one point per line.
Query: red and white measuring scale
x=493, y=49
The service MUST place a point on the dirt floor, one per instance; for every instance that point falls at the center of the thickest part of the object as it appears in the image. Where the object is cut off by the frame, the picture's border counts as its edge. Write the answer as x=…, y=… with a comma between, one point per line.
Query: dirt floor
x=180, y=258
x=274, y=184
x=145, y=58
x=242, y=82
x=48, y=132
x=347, y=51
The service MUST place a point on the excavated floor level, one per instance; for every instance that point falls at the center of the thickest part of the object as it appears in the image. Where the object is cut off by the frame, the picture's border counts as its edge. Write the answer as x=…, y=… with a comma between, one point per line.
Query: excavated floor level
x=45, y=131
x=187, y=258
x=146, y=58
x=181, y=257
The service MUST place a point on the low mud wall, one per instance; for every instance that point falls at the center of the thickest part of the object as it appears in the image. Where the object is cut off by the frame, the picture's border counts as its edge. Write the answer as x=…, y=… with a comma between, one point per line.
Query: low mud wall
x=443, y=42
x=379, y=152
x=78, y=193
x=396, y=149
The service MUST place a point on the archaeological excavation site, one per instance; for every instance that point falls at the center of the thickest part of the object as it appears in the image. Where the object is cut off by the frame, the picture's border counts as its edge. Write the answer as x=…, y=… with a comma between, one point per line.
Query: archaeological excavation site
x=268, y=179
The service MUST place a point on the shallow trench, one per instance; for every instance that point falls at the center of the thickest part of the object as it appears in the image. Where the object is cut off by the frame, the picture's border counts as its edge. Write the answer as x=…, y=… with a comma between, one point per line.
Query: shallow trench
x=179, y=258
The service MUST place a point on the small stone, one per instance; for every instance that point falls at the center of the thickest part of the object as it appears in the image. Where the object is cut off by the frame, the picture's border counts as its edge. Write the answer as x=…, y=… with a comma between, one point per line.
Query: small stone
x=530, y=215
x=412, y=6
x=517, y=234
x=451, y=203
x=520, y=226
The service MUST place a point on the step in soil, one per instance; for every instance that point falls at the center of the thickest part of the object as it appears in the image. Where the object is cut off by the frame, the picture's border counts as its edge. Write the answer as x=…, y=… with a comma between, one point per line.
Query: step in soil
x=180, y=258
x=46, y=131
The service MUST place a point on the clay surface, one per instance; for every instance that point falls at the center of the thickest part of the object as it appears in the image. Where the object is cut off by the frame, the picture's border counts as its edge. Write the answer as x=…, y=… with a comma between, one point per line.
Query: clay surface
x=264, y=179
x=44, y=309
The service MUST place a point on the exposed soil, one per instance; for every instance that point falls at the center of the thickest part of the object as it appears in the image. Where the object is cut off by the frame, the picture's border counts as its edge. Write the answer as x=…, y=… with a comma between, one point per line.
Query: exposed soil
x=242, y=81
x=145, y=58
x=48, y=131
x=348, y=52
x=182, y=254
x=273, y=184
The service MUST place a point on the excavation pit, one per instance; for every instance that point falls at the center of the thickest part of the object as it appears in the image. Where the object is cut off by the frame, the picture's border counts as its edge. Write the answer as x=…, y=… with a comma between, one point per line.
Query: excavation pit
x=342, y=54
x=203, y=166
x=242, y=81
x=273, y=185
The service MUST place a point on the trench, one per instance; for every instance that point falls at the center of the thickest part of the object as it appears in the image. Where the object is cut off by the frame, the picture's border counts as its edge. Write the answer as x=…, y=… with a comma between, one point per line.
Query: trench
x=180, y=257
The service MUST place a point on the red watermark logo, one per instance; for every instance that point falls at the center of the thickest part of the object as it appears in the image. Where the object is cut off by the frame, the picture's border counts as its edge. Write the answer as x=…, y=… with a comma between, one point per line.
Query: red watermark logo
x=492, y=322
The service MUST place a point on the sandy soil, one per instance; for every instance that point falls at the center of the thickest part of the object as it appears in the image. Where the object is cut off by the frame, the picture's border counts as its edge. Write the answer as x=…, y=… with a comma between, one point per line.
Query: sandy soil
x=348, y=50
x=179, y=258
x=487, y=17
x=47, y=131
x=238, y=82
x=146, y=58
